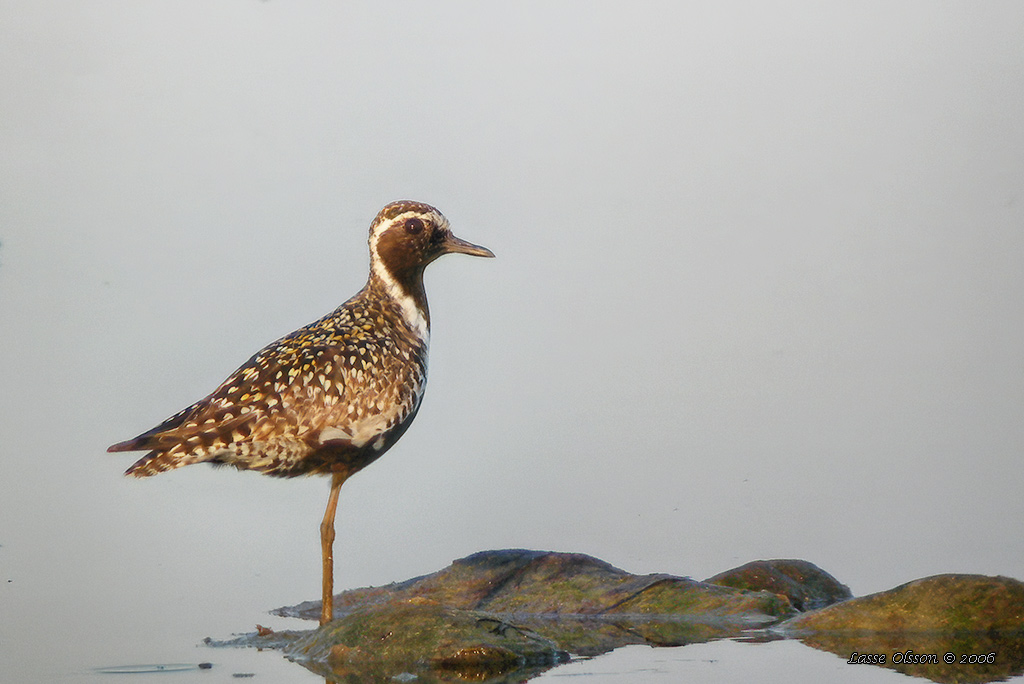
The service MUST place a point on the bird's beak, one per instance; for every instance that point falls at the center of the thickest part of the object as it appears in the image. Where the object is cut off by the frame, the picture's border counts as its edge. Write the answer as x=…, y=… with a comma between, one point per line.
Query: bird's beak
x=453, y=244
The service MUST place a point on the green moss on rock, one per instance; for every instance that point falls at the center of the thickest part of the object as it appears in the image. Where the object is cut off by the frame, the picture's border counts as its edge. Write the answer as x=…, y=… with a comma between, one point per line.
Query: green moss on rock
x=977, y=656
x=942, y=603
x=807, y=586
x=421, y=636
x=473, y=615
x=518, y=582
x=685, y=597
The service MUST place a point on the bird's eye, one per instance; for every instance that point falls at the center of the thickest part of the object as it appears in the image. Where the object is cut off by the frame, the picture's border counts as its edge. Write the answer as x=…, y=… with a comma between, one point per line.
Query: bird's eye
x=414, y=226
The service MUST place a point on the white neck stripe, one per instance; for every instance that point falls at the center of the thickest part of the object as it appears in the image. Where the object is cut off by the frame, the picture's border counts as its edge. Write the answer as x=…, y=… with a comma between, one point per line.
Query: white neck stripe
x=414, y=317
x=411, y=312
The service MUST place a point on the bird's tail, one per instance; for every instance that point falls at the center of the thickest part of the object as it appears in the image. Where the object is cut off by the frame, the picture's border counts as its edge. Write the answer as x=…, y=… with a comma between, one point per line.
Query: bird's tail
x=156, y=462
x=165, y=447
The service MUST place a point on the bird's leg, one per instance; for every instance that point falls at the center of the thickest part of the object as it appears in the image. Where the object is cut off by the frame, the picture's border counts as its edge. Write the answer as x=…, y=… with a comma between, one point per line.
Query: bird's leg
x=327, y=547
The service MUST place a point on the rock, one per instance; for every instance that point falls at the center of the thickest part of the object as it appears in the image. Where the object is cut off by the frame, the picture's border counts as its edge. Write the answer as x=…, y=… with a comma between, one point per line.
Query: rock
x=504, y=616
x=946, y=628
x=942, y=603
x=976, y=656
x=498, y=611
x=590, y=636
x=518, y=582
x=421, y=637
x=807, y=586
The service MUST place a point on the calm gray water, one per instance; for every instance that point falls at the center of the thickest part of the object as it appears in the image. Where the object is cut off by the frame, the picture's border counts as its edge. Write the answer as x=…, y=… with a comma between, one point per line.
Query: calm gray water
x=757, y=295
x=725, y=661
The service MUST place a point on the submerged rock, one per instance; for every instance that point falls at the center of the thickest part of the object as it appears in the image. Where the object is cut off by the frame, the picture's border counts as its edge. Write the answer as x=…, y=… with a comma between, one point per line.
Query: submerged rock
x=807, y=586
x=942, y=603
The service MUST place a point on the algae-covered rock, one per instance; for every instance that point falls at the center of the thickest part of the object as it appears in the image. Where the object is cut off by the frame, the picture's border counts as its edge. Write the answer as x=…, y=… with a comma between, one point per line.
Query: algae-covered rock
x=540, y=583
x=588, y=636
x=684, y=597
x=497, y=610
x=424, y=638
x=807, y=586
x=942, y=603
x=963, y=657
x=504, y=616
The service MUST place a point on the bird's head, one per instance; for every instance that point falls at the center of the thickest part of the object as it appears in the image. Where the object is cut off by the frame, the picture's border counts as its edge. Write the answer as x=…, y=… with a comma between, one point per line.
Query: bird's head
x=406, y=236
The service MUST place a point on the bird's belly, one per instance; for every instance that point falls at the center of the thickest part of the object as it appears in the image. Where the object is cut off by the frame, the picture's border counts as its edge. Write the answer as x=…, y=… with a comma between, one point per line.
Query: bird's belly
x=368, y=432
x=337, y=451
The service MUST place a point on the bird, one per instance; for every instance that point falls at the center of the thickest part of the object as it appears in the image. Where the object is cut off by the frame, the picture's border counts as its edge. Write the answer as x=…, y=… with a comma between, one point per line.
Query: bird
x=329, y=398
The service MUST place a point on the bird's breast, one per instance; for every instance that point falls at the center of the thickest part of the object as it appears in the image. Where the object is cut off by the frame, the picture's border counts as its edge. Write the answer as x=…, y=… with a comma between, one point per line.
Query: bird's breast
x=379, y=399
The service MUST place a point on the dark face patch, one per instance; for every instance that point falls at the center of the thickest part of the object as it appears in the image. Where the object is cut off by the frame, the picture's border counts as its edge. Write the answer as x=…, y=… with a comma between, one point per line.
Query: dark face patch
x=405, y=249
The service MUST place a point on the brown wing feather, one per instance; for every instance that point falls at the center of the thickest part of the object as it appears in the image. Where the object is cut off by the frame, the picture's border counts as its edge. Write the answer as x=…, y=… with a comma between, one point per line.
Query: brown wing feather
x=345, y=373
x=262, y=416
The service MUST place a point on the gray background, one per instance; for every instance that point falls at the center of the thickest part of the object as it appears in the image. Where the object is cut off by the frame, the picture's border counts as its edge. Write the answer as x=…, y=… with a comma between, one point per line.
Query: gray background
x=758, y=291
